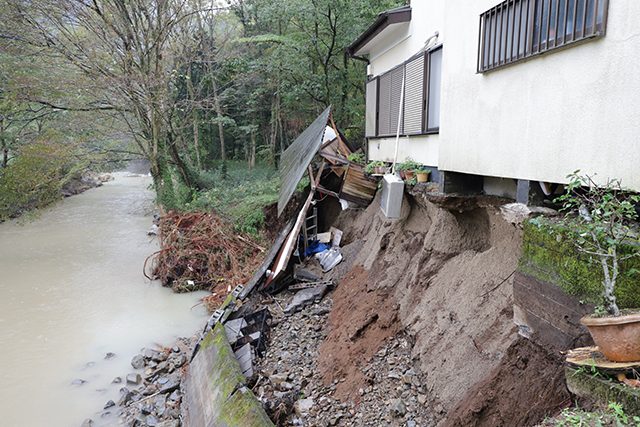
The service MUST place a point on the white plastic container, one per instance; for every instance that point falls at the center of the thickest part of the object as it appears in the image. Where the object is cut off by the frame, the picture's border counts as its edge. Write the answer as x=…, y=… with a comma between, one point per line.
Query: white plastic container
x=392, y=195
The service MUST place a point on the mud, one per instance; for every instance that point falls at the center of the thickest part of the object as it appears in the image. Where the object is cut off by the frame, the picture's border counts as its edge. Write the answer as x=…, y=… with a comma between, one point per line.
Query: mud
x=446, y=278
x=527, y=386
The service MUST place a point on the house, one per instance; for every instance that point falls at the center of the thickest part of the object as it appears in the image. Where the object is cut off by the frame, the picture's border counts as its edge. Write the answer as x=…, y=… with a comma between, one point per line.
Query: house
x=506, y=97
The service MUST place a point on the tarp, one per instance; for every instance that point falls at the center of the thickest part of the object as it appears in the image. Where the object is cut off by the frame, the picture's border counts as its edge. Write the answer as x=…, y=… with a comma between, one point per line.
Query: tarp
x=298, y=157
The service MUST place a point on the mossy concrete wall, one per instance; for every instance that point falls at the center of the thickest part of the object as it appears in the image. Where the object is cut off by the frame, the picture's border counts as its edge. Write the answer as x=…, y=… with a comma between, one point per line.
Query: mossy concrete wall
x=549, y=256
x=215, y=391
x=600, y=391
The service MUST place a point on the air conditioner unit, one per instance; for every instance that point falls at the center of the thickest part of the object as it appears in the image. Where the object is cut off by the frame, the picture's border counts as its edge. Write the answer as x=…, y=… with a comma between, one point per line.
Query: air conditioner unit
x=392, y=195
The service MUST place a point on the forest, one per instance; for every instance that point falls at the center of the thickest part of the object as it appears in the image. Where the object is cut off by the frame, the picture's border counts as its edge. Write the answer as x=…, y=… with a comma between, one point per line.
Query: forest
x=209, y=92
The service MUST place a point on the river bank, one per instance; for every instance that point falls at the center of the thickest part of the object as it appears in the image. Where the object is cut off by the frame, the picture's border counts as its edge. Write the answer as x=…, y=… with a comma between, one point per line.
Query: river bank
x=73, y=291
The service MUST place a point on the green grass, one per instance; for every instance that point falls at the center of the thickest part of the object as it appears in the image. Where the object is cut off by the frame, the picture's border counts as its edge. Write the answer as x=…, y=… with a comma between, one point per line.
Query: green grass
x=241, y=195
x=614, y=416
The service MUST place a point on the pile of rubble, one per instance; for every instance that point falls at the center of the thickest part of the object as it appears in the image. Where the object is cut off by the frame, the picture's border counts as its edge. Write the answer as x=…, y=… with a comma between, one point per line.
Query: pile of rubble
x=294, y=393
x=151, y=395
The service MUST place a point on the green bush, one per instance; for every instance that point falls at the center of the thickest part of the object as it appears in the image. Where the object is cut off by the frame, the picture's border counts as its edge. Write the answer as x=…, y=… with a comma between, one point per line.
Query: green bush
x=34, y=178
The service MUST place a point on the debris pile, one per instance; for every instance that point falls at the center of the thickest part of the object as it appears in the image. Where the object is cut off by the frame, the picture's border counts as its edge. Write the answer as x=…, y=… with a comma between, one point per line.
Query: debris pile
x=294, y=391
x=150, y=393
x=201, y=251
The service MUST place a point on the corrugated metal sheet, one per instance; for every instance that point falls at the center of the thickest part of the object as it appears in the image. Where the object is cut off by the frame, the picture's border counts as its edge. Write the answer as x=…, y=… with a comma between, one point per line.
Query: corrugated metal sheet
x=298, y=156
x=414, y=96
x=371, y=108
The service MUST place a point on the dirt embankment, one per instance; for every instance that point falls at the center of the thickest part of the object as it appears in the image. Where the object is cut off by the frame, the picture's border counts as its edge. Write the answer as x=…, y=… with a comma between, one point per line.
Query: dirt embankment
x=446, y=278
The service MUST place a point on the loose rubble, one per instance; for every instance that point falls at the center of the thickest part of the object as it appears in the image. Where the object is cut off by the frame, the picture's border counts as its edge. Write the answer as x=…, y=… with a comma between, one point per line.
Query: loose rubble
x=151, y=395
x=293, y=393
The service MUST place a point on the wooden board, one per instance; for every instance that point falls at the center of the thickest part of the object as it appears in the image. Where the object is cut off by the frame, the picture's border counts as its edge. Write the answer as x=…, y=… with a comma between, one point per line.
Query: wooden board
x=591, y=357
x=357, y=187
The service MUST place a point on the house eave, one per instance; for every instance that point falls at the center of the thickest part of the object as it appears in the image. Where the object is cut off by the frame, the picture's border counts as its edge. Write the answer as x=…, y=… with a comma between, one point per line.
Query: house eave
x=386, y=19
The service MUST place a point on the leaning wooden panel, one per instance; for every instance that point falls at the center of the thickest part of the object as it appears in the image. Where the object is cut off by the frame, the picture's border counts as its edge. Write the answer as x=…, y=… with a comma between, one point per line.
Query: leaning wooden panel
x=357, y=188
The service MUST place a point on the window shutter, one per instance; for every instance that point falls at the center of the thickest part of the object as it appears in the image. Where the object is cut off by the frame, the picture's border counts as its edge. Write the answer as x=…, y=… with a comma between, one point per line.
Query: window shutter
x=414, y=92
x=396, y=93
x=384, y=107
x=371, y=108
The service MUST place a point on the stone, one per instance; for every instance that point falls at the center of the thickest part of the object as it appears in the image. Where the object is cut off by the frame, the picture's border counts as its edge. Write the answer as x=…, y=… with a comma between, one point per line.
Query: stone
x=411, y=423
x=169, y=423
x=78, y=382
x=422, y=399
x=137, y=362
x=398, y=408
x=303, y=406
x=126, y=397
x=109, y=404
x=151, y=421
x=109, y=356
x=87, y=423
x=394, y=375
x=116, y=380
x=134, y=379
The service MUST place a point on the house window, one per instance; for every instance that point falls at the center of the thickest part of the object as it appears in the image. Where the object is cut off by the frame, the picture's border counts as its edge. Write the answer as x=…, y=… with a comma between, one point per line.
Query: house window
x=518, y=29
x=421, y=107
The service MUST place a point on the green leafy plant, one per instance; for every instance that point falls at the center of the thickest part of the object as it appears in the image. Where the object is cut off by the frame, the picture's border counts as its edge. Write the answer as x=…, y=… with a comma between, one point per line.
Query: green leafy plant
x=371, y=166
x=408, y=165
x=601, y=218
x=357, y=158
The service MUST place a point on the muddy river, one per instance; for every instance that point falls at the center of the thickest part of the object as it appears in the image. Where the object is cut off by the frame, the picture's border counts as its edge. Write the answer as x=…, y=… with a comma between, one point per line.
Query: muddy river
x=72, y=290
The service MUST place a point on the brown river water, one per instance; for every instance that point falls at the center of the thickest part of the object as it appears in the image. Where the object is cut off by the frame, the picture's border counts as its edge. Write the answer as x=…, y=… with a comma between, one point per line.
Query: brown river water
x=71, y=290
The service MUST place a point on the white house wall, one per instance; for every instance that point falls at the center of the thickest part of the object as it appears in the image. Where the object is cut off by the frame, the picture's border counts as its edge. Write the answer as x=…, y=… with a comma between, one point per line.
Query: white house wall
x=388, y=52
x=574, y=108
x=422, y=149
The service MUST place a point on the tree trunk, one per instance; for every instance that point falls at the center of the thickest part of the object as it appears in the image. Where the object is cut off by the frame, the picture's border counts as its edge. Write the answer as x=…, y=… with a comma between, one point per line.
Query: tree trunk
x=3, y=145
x=218, y=107
x=252, y=150
x=194, y=119
x=273, y=136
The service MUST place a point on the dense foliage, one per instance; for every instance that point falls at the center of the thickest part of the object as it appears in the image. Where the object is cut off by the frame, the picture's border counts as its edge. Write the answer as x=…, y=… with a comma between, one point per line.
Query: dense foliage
x=185, y=84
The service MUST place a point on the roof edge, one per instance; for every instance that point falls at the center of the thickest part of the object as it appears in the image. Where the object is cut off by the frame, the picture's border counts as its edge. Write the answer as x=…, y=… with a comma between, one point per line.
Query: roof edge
x=386, y=18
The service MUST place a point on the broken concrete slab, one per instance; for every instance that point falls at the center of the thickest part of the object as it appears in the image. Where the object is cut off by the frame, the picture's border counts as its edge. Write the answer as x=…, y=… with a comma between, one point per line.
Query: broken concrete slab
x=215, y=392
x=306, y=297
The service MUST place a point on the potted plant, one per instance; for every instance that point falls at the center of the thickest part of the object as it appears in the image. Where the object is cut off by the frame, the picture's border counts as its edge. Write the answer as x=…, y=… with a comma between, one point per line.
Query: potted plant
x=408, y=166
x=604, y=223
x=422, y=174
x=376, y=167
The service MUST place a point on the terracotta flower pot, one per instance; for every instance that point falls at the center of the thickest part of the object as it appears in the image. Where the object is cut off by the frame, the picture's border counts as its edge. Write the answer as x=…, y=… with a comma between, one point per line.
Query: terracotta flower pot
x=408, y=175
x=617, y=337
x=423, y=176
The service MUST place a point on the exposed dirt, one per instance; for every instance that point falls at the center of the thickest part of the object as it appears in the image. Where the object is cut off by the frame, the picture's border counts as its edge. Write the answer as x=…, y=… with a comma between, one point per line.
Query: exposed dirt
x=527, y=386
x=359, y=323
x=447, y=277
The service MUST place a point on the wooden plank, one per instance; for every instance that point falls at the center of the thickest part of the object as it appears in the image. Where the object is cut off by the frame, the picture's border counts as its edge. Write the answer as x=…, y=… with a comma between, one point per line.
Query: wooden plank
x=356, y=187
x=268, y=261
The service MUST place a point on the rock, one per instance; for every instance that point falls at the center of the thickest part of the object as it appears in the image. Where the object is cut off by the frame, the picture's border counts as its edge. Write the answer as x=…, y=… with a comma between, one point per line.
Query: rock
x=411, y=423
x=394, y=375
x=422, y=399
x=306, y=297
x=116, y=380
x=126, y=396
x=109, y=404
x=87, y=423
x=153, y=231
x=151, y=421
x=303, y=406
x=109, y=356
x=169, y=423
x=134, y=379
x=137, y=362
x=398, y=408
x=78, y=382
